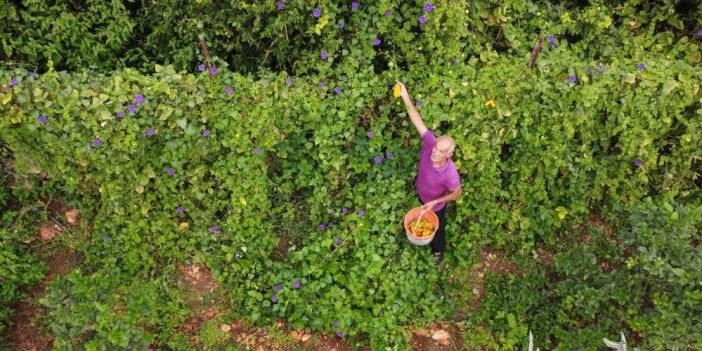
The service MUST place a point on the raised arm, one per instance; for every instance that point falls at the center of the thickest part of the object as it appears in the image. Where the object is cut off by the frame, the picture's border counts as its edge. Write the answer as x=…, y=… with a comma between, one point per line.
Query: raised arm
x=411, y=110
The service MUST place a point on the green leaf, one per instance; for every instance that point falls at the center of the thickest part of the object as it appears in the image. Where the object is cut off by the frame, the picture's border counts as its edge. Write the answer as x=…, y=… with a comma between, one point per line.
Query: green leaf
x=182, y=123
x=669, y=86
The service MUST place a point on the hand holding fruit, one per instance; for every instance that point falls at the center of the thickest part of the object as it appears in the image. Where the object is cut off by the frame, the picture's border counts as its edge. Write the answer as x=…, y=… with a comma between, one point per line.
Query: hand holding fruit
x=400, y=90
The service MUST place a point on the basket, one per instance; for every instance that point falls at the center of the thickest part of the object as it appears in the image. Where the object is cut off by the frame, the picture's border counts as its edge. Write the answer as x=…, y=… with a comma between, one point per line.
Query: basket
x=416, y=213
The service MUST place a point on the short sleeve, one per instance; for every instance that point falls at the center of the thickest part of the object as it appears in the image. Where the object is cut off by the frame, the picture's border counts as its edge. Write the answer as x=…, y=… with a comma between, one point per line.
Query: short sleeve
x=428, y=138
x=453, y=180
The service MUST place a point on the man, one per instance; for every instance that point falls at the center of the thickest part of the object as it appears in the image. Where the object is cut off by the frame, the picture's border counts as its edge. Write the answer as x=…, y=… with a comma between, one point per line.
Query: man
x=437, y=178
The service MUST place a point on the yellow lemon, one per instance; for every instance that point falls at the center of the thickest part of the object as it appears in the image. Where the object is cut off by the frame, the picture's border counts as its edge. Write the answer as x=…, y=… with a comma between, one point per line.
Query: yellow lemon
x=396, y=90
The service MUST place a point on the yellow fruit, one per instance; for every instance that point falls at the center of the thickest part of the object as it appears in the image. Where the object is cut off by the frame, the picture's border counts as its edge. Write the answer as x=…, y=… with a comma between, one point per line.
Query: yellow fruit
x=396, y=90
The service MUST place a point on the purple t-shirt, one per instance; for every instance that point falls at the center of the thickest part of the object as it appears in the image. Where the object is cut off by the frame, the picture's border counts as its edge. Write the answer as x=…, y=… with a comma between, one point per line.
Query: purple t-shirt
x=433, y=183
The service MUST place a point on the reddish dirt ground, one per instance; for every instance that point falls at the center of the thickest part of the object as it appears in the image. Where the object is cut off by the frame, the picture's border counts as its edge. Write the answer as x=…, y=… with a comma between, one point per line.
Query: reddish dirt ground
x=25, y=334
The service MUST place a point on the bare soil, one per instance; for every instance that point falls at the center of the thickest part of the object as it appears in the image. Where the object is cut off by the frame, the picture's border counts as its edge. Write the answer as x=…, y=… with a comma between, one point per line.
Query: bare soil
x=25, y=332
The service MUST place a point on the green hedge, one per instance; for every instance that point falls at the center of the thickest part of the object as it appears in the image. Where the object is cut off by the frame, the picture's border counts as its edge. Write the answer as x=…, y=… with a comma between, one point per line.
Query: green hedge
x=530, y=165
x=247, y=36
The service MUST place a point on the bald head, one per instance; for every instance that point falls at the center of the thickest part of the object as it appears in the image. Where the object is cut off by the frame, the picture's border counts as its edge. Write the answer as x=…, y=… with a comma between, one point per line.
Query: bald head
x=446, y=142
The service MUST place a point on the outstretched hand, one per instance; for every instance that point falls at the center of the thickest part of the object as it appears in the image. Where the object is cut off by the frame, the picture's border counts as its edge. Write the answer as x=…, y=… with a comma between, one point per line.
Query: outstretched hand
x=403, y=89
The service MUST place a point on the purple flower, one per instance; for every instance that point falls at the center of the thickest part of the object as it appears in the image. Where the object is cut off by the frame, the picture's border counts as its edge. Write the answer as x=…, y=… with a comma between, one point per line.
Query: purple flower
x=340, y=334
x=329, y=225
x=206, y=133
x=171, y=171
x=276, y=288
x=201, y=68
x=337, y=90
x=389, y=156
x=699, y=33
x=376, y=41
x=138, y=99
x=32, y=74
x=13, y=81
x=369, y=134
x=289, y=80
x=322, y=226
x=180, y=209
x=338, y=241
x=150, y=132
x=275, y=298
x=214, y=229
x=229, y=90
x=641, y=66
x=131, y=108
x=213, y=71
x=324, y=54
x=572, y=79
x=43, y=119
x=316, y=13
x=120, y=114
x=588, y=69
x=388, y=13
x=600, y=68
x=344, y=210
x=637, y=163
x=354, y=5
x=361, y=212
x=296, y=284
x=257, y=150
x=341, y=25
x=280, y=5
x=336, y=324
x=105, y=238
x=553, y=44
x=96, y=142
x=428, y=7
x=320, y=84
x=550, y=38
x=419, y=103
x=377, y=160
x=452, y=61
x=422, y=19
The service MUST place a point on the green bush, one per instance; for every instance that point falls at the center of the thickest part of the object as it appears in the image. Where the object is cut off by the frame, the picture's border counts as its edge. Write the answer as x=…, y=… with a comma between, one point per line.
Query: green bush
x=108, y=310
x=641, y=282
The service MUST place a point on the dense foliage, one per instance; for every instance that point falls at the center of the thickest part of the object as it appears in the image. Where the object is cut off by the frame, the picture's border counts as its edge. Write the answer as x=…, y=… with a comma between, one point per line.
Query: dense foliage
x=290, y=183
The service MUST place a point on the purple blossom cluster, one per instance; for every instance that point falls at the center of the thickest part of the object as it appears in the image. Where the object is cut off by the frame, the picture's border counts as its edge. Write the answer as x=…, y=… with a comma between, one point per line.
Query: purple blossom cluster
x=552, y=41
x=277, y=287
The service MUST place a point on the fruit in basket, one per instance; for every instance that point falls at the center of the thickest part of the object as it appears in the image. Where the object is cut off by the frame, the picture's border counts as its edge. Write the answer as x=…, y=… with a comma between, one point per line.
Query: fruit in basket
x=421, y=229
